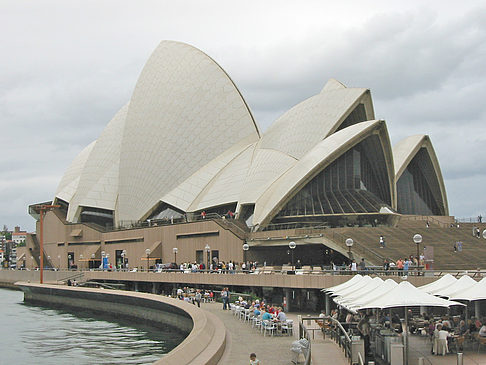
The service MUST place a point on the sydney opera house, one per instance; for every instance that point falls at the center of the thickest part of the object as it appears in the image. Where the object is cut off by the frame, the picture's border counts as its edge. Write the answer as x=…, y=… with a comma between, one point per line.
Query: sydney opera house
x=186, y=146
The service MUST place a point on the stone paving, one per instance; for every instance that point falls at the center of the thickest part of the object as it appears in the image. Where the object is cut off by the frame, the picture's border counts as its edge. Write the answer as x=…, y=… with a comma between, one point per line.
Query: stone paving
x=242, y=340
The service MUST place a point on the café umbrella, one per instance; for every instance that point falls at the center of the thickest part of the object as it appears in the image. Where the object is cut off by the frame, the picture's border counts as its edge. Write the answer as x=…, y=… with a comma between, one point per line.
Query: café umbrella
x=406, y=295
x=439, y=284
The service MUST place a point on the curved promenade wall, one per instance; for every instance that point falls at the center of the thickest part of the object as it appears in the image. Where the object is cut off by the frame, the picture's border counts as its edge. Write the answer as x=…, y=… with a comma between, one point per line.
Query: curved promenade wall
x=205, y=341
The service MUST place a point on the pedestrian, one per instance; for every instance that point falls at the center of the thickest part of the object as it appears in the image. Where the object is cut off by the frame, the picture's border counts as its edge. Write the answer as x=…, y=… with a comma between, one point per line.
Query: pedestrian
x=382, y=241
x=254, y=360
x=225, y=298
x=480, y=219
x=197, y=298
x=362, y=266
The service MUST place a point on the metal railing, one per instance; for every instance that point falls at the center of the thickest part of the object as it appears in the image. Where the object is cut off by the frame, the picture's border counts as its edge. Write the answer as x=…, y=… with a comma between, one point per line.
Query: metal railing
x=336, y=330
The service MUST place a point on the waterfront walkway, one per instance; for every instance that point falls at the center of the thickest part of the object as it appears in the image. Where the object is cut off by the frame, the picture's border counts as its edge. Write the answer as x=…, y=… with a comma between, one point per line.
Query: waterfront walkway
x=242, y=340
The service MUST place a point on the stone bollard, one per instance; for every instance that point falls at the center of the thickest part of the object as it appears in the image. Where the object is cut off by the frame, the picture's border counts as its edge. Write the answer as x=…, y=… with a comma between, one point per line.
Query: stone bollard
x=459, y=358
x=420, y=361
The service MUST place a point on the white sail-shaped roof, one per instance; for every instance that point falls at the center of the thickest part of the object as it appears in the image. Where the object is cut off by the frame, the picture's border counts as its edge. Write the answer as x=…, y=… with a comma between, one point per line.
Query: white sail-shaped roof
x=69, y=183
x=404, y=152
x=184, y=112
x=315, y=161
x=98, y=183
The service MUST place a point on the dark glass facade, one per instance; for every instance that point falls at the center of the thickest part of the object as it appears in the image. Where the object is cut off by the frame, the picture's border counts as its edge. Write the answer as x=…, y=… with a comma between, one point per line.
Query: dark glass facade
x=356, y=182
x=418, y=190
x=356, y=116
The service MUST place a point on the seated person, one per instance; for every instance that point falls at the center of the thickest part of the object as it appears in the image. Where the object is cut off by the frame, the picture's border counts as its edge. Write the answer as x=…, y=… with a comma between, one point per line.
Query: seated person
x=462, y=329
x=256, y=312
x=281, y=316
x=266, y=316
x=482, y=331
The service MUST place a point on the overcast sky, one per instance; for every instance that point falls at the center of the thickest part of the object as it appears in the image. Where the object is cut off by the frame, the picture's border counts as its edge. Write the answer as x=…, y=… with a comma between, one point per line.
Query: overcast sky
x=67, y=67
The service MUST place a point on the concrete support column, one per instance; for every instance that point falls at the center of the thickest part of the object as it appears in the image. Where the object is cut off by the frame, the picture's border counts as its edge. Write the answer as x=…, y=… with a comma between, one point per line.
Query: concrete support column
x=328, y=304
x=154, y=288
x=423, y=309
x=136, y=286
x=477, y=309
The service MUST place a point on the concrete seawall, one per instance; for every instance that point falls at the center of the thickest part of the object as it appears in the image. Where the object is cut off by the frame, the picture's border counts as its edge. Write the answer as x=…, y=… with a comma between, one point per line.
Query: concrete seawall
x=205, y=341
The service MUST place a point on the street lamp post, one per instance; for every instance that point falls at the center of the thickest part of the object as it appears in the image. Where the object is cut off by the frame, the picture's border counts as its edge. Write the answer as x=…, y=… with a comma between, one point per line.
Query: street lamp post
x=292, y=246
x=43, y=209
x=174, y=250
x=207, y=248
x=246, y=247
x=81, y=257
x=417, y=239
x=59, y=258
x=92, y=266
x=147, y=252
x=349, y=243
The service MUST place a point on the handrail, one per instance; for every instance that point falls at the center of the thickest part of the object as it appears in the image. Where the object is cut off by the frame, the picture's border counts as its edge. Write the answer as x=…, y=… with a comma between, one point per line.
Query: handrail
x=337, y=338
x=303, y=333
x=424, y=218
x=360, y=359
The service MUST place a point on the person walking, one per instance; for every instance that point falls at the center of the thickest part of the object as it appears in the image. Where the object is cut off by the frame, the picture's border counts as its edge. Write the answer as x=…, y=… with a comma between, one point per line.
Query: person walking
x=198, y=297
x=225, y=297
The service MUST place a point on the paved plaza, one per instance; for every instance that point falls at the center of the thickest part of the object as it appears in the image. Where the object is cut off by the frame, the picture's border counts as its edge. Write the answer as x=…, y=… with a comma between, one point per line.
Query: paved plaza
x=242, y=339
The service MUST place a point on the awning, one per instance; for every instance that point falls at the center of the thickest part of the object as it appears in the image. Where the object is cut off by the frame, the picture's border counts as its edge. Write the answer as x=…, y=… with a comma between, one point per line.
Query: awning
x=76, y=232
x=89, y=251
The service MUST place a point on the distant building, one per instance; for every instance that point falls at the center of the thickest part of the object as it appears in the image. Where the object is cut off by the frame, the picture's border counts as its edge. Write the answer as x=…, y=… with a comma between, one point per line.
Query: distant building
x=18, y=236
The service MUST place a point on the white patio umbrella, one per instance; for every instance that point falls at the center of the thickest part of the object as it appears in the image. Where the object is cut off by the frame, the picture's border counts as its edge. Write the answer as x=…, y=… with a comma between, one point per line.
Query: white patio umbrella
x=350, y=297
x=378, y=292
x=475, y=292
x=406, y=295
x=365, y=280
x=441, y=283
x=465, y=282
x=346, y=284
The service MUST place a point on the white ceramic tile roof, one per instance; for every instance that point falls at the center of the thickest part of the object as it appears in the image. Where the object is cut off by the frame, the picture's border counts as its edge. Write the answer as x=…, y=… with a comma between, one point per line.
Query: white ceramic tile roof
x=98, y=183
x=404, y=152
x=226, y=186
x=306, y=124
x=186, y=193
x=267, y=166
x=313, y=162
x=184, y=112
x=69, y=182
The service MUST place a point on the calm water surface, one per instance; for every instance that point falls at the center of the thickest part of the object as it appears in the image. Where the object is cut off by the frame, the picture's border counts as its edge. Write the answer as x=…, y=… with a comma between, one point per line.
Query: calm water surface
x=39, y=335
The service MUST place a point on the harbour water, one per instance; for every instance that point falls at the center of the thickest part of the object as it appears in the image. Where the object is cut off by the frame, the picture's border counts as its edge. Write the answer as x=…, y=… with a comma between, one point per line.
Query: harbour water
x=39, y=335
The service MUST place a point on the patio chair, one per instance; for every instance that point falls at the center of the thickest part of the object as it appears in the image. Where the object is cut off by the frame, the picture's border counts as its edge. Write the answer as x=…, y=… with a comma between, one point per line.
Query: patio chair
x=481, y=341
x=288, y=327
x=269, y=326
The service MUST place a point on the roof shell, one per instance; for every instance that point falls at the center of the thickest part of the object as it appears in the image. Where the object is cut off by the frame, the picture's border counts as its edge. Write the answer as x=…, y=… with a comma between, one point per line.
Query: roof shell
x=404, y=152
x=98, y=183
x=69, y=182
x=323, y=154
x=186, y=100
